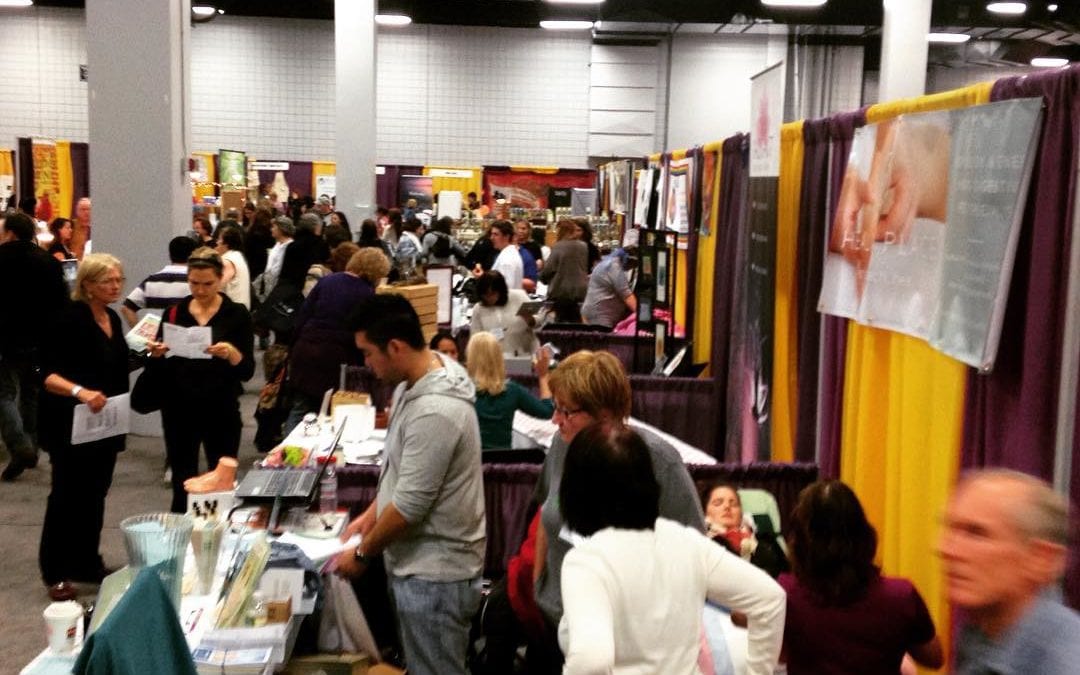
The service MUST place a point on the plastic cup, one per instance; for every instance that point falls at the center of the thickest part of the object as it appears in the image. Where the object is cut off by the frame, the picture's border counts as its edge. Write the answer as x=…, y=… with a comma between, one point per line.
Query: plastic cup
x=62, y=620
x=159, y=540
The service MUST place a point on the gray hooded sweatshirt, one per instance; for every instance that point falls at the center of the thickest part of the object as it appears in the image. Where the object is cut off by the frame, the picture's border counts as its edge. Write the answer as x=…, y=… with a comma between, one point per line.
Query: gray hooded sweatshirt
x=432, y=475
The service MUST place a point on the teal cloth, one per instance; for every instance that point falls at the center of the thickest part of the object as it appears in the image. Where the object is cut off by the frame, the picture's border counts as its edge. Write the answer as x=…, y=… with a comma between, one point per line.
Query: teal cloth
x=141, y=635
x=496, y=413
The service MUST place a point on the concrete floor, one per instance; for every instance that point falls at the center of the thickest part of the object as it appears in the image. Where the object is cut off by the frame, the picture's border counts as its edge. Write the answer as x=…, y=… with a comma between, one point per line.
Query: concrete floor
x=137, y=488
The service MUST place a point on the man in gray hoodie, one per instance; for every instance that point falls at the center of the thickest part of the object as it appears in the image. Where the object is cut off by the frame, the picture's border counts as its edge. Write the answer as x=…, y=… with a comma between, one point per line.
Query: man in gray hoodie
x=428, y=516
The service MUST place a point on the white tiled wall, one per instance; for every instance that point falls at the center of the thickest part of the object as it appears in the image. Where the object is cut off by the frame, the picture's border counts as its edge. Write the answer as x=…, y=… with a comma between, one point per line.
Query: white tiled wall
x=41, y=51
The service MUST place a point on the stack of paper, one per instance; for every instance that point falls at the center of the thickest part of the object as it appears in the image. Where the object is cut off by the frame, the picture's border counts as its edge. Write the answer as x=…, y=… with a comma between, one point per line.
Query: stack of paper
x=210, y=660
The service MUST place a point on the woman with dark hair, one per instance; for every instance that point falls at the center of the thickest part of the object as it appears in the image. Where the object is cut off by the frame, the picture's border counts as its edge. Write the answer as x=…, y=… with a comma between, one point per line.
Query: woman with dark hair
x=634, y=585
x=339, y=218
x=247, y=215
x=236, y=277
x=84, y=360
x=392, y=232
x=258, y=240
x=585, y=233
x=369, y=238
x=407, y=254
x=843, y=616
x=499, y=312
x=202, y=402
x=62, y=230
x=444, y=343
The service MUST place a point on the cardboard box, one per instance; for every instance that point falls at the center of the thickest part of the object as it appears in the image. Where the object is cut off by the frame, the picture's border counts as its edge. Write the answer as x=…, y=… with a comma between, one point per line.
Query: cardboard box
x=331, y=664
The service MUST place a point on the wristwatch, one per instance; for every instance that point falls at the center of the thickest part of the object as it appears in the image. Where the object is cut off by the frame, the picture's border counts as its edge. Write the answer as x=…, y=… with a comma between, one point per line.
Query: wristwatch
x=75, y=391
x=365, y=560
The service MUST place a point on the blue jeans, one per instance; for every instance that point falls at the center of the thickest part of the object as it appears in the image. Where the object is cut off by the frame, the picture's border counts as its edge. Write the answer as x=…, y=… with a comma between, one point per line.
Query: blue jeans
x=18, y=407
x=434, y=618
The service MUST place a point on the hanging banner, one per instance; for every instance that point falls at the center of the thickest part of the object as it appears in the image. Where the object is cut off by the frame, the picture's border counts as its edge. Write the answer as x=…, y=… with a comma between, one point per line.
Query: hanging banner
x=677, y=201
x=529, y=189
x=232, y=168
x=642, y=194
x=619, y=185
x=326, y=185
x=418, y=188
x=925, y=233
x=709, y=160
x=754, y=351
x=46, y=178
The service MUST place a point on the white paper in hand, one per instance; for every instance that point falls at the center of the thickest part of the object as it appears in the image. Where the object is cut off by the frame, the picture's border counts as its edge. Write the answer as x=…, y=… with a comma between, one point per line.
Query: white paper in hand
x=190, y=343
x=112, y=420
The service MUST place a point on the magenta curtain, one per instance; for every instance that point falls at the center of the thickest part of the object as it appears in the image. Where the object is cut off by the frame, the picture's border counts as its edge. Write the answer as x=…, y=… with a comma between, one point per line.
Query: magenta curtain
x=734, y=187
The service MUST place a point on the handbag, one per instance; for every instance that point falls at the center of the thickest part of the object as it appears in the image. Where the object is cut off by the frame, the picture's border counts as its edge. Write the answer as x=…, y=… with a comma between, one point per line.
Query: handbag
x=148, y=394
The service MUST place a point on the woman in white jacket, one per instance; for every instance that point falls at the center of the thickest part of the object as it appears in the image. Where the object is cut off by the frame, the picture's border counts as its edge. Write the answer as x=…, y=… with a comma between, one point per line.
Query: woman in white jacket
x=634, y=585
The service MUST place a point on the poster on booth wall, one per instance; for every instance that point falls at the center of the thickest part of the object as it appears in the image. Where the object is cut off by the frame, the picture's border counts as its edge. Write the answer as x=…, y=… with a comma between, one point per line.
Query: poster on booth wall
x=418, y=188
x=677, y=199
x=618, y=185
x=642, y=195
x=752, y=348
x=46, y=178
x=232, y=168
x=925, y=231
x=326, y=185
x=709, y=160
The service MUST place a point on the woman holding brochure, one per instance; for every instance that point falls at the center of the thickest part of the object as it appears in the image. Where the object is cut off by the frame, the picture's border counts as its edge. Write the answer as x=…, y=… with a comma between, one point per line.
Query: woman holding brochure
x=84, y=360
x=212, y=346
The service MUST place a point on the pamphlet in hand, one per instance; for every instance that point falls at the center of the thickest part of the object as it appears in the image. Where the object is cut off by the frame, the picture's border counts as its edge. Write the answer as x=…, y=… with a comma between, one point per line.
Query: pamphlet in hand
x=112, y=420
x=144, y=331
x=190, y=343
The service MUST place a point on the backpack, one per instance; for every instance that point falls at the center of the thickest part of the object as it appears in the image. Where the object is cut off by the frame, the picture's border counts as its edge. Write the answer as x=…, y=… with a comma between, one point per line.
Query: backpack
x=441, y=248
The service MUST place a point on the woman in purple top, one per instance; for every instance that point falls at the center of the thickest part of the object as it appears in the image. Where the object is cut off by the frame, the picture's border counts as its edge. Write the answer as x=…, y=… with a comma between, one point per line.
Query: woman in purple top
x=322, y=342
x=843, y=616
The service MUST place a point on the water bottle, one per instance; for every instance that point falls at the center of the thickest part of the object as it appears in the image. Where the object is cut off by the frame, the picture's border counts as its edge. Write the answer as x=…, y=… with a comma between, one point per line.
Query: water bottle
x=328, y=486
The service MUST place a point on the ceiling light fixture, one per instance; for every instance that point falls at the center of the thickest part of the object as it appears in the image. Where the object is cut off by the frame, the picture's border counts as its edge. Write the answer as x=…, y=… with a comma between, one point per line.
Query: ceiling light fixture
x=393, y=19
x=1049, y=62
x=1051, y=8
x=947, y=38
x=566, y=25
x=575, y=2
x=16, y=3
x=794, y=3
x=203, y=10
x=1007, y=7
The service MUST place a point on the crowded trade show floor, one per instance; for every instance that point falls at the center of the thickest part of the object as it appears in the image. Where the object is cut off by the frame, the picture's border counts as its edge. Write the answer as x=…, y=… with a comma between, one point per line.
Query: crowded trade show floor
x=137, y=487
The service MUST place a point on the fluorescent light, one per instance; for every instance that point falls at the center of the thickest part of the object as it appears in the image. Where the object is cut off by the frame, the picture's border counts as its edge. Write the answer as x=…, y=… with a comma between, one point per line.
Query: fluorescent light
x=948, y=38
x=16, y=3
x=1051, y=8
x=576, y=2
x=793, y=3
x=1007, y=7
x=566, y=25
x=203, y=10
x=1048, y=62
x=393, y=19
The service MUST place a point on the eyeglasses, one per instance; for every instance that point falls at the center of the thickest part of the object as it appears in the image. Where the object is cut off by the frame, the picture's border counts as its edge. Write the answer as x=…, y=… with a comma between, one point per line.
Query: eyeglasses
x=567, y=413
x=111, y=280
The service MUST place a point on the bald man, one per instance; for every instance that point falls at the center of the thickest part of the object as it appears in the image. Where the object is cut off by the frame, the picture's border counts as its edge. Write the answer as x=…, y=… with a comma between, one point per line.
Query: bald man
x=1004, y=547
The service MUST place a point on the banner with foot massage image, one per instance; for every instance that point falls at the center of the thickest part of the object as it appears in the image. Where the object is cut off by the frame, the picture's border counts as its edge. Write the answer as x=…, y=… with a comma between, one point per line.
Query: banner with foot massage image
x=925, y=232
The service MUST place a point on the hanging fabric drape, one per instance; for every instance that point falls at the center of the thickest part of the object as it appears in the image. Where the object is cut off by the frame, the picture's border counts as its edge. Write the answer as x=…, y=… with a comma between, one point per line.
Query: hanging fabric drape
x=785, y=386
x=706, y=259
x=64, y=180
x=902, y=422
x=734, y=186
x=834, y=331
x=80, y=173
x=386, y=183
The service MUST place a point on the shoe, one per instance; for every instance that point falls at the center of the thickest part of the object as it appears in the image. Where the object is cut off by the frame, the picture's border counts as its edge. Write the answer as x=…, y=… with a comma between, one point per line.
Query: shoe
x=13, y=470
x=62, y=592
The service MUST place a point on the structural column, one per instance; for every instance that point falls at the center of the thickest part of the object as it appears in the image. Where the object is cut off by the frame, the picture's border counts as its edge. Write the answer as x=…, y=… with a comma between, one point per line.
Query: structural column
x=904, y=48
x=354, y=69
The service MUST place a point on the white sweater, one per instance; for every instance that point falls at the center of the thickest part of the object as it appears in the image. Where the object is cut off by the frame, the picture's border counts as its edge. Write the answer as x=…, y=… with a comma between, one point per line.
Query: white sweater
x=633, y=600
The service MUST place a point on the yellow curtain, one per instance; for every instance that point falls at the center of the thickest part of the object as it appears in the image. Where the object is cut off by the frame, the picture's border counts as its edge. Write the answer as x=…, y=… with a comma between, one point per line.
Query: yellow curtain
x=902, y=421
x=474, y=183
x=206, y=187
x=65, y=180
x=706, y=272
x=321, y=169
x=7, y=164
x=785, y=343
x=681, y=259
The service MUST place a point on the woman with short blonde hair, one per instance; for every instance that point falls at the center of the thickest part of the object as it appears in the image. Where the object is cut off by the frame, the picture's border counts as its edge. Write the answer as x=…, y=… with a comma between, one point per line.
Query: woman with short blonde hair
x=497, y=398
x=369, y=264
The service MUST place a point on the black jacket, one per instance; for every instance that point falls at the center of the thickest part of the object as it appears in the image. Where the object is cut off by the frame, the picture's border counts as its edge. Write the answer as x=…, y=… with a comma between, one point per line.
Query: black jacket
x=33, y=292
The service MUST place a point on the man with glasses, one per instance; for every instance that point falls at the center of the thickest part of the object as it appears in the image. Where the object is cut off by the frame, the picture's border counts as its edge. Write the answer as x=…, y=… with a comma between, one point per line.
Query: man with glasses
x=34, y=290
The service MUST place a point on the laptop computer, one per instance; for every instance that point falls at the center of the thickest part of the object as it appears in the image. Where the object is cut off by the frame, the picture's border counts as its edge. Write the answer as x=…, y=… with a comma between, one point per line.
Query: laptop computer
x=291, y=483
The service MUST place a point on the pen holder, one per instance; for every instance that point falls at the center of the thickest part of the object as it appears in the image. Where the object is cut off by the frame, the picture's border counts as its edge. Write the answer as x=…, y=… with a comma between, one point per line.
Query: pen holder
x=159, y=540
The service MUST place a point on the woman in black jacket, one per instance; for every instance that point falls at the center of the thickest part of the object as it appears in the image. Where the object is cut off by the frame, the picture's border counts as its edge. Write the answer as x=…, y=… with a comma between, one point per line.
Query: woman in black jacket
x=202, y=405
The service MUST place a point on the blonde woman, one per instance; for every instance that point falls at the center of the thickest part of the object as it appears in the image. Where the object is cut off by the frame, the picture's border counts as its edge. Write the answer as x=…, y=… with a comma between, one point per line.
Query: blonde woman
x=84, y=361
x=497, y=398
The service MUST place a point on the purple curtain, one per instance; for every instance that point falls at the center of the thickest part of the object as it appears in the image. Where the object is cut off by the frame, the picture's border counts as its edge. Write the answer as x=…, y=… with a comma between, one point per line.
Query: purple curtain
x=386, y=185
x=24, y=163
x=734, y=186
x=1009, y=415
x=841, y=132
x=298, y=177
x=80, y=173
x=508, y=496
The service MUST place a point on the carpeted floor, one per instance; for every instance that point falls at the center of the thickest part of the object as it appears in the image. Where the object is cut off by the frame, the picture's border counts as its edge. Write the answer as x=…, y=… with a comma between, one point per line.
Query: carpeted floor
x=137, y=488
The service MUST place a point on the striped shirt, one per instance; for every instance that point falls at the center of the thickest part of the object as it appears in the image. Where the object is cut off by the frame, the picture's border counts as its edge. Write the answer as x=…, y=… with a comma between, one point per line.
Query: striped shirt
x=160, y=290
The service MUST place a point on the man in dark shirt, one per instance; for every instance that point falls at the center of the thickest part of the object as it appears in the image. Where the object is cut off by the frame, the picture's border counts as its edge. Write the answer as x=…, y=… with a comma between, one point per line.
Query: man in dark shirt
x=35, y=291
